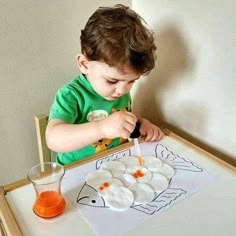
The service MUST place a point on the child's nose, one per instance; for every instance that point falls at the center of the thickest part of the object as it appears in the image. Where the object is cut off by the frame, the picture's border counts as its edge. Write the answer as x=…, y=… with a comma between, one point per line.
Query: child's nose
x=123, y=89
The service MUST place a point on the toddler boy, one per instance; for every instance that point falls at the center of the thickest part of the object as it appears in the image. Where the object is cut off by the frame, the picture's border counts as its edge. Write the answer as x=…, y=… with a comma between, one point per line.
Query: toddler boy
x=93, y=111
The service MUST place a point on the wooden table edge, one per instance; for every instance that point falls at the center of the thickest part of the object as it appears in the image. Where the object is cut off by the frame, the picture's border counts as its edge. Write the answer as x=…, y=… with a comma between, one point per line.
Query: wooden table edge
x=7, y=217
x=9, y=224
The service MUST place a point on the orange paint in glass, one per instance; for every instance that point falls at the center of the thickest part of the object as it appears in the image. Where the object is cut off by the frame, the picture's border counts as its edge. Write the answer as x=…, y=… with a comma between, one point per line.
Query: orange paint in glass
x=49, y=204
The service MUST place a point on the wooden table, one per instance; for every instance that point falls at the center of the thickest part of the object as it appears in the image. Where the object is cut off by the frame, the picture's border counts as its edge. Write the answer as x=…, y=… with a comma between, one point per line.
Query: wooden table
x=211, y=211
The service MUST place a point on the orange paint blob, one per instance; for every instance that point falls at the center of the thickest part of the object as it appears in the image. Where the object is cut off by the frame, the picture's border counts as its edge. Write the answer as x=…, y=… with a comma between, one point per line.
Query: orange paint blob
x=106, y=184
x=135, y=175
x=138, y=174
x=49, y=204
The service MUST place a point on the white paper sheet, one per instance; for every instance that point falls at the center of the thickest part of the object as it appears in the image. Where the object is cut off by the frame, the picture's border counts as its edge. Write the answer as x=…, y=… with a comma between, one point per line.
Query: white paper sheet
x=188, y=178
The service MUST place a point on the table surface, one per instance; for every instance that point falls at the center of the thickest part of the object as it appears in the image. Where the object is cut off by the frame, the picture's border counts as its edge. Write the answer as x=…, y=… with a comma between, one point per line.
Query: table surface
x=211, y=211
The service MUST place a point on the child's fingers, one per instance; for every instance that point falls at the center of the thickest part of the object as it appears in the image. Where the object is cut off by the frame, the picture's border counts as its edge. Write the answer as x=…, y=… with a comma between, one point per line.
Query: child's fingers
x=154, y=135
x=131, y=118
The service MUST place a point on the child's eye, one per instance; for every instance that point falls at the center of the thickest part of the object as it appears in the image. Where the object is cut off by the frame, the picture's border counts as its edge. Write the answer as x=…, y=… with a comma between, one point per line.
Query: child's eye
x=111, y=82
x=131, y=82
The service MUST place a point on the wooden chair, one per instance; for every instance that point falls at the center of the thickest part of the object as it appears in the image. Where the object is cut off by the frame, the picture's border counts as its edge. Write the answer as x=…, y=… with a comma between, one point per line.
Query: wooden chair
x=41, y=124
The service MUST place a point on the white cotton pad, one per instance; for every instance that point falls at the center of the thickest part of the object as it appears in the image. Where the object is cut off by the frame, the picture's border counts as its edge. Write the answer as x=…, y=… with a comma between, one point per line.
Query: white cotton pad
x=129, y=161
x=119, y=198
x=167, y=170
x=152, y=163
x=127, y=179
x=143, y=193
x=116, y=168
x=104, y=187
x=158, y=182
x=97, y=177
x=142, y=175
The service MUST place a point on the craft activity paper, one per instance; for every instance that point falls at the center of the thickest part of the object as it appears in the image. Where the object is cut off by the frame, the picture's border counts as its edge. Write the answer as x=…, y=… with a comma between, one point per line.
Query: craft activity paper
x=188, y=179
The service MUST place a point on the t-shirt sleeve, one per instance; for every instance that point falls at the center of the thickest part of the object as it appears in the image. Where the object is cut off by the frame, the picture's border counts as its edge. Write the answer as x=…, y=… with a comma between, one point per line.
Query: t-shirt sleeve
x=65, y=106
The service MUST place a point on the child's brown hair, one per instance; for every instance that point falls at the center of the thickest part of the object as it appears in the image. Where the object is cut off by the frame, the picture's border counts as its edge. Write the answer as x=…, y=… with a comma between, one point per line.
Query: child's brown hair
x=117, y=36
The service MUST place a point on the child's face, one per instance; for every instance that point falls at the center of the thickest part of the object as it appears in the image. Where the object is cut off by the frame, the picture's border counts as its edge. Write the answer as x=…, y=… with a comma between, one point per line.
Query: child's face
x=109, y=82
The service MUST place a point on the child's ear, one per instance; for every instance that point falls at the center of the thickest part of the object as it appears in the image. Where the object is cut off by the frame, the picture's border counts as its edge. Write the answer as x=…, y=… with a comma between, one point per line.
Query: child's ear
x=82, y=63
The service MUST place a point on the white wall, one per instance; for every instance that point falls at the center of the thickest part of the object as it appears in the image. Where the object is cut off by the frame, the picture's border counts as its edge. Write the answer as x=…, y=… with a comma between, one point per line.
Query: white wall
x=193, y=85
x=38, y=44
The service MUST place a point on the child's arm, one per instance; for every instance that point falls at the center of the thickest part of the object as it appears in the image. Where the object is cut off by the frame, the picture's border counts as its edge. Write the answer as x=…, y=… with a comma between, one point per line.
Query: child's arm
x=64, y=137
x=149, y=131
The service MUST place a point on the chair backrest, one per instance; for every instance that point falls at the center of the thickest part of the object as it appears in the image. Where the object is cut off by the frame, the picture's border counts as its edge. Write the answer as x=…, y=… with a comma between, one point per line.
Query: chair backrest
x=40, y=125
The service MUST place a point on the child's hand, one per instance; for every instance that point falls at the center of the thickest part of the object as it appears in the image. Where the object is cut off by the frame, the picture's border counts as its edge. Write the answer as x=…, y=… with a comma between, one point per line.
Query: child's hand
x=149, y=131
x=119, y=124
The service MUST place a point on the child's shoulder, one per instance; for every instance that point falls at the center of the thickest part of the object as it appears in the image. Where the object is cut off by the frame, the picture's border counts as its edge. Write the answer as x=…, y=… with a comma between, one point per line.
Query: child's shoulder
x=74, y=84
x=78, y=86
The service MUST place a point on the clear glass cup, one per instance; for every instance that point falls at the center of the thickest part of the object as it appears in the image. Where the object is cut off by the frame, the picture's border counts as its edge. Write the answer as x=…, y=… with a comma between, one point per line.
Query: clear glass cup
x=46, y=179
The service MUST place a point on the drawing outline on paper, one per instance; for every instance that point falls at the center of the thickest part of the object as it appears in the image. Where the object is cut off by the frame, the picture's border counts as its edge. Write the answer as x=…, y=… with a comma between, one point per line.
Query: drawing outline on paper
x=90, y=197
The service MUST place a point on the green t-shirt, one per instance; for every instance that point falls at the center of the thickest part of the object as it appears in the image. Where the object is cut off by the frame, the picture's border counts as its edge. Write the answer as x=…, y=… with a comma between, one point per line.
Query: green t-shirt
x=77, y=103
